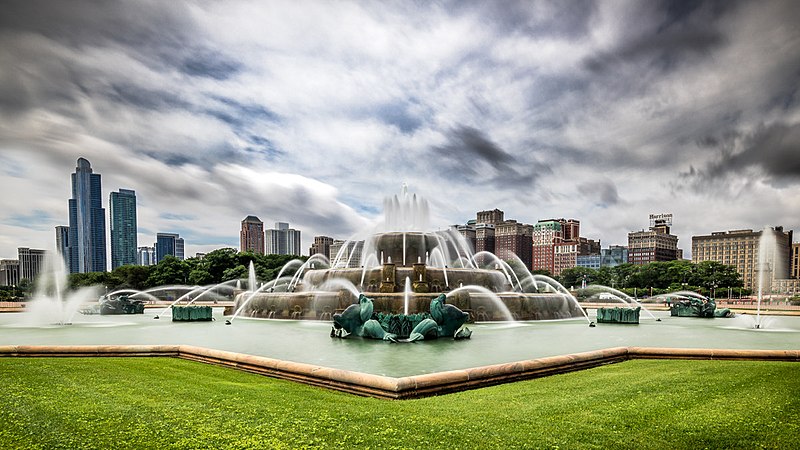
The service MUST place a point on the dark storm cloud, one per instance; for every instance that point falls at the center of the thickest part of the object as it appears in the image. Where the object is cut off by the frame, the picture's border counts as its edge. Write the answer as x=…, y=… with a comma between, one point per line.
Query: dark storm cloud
x=152, y=29
x=470, y=152
x=771, y=150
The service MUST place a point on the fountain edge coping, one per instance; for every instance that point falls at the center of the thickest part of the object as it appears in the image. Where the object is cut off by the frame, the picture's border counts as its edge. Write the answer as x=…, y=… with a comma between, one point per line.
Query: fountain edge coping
x=415, y=386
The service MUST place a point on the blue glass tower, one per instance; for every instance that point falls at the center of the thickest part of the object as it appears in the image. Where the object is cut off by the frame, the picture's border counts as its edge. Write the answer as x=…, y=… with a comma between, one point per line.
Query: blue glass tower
x=122, y=207
x=87, y=222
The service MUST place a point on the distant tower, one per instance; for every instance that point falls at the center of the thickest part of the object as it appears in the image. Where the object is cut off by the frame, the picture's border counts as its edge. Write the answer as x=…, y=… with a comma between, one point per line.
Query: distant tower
x=122, y=206
x=146, y=256
x=62, y=243
x=87, y=222
x=283, y=240
x=168, y=244
x=321, y=245
x=252, y=235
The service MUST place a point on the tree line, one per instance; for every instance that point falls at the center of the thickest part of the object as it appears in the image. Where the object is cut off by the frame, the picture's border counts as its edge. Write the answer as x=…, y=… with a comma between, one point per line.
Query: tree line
x=709, y=278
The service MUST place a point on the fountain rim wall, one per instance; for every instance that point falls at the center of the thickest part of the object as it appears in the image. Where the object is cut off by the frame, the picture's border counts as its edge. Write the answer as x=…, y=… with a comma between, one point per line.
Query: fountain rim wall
x=409, y=387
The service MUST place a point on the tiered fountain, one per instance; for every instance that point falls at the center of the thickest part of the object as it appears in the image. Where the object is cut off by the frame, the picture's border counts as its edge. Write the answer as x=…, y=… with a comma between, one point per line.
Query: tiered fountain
x=401, y=267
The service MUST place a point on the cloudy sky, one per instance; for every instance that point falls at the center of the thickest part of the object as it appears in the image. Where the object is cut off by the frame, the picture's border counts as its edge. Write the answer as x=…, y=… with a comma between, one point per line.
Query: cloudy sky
x=313, y=112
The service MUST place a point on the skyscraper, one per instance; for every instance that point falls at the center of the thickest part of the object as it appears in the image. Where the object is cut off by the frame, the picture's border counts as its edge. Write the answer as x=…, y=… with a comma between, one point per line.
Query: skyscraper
x=122, y=206
x=168, y=244
x=283, y=240
x=87, y=222
x=62, y=243
x=251, y=237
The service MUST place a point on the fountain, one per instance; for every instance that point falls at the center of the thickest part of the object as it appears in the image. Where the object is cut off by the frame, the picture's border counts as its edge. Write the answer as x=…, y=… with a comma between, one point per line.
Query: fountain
x=401, y=266
x=52, y=304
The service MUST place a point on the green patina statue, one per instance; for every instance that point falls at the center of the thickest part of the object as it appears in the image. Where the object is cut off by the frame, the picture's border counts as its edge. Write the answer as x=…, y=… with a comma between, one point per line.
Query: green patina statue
x=695, y=307
x=360, y=320
x=618, y=315
x=121, y=305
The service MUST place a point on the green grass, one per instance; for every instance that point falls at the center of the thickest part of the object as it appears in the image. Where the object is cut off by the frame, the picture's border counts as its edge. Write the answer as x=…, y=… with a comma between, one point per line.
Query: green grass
x=162, y=403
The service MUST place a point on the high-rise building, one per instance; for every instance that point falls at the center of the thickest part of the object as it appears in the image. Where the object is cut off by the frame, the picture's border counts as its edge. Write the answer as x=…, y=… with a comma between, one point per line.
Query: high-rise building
x=122, y=209
x=251, y=237
x=795, y=260
x=87, y=222
x=567, y=252
x=493, y=217
x=9, y=272
x=468, y=232
x=62, y=243
x=546, y=233
x=655, y=244
x=513, y=238
x=321, y=245
x=346, y=253
x=740, y=248
x=30, y=262
x=145, y=256
x=283, y=240
x=168, y=244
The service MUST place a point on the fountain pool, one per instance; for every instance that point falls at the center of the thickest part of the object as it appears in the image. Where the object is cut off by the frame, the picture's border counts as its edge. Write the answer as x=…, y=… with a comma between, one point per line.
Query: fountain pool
x=308, y=341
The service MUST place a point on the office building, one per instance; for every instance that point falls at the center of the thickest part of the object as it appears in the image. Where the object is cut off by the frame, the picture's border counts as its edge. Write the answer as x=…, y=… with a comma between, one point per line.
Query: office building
x=87, y=222
x=321, y=245
x=567, y=252
x=251, y=236
x=9, y=272
x=145, y=256
x=122, y=210
x=614, y=255
x=346, y=254
x=795, y=272
x=513, y=238
x=740, y=248
x=493, y=217
x=30, y=262
x=469, y=234
x=546, y=234
x=655, y=244
x=282, y=240
x=62, y=243
x=168, y=244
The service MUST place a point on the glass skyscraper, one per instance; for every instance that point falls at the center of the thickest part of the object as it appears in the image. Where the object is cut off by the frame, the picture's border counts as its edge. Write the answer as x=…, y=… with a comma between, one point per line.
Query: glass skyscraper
x=122, y=206
x=168, y=244
x=87, y=222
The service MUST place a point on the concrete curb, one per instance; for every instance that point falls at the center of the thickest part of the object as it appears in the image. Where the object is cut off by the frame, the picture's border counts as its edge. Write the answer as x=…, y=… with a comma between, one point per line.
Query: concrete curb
x=417, y=386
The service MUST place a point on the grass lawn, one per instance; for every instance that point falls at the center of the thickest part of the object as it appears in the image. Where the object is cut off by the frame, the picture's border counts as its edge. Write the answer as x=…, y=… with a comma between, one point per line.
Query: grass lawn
x=163, y=402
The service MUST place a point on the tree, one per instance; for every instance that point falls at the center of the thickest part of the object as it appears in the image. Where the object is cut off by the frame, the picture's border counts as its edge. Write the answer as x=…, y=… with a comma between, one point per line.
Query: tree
x=169, y=270
x=574, y=276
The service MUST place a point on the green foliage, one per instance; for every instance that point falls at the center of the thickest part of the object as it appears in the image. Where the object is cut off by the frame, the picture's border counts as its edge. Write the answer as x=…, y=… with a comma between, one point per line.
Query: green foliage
x=660, y=277
x=11, y=294
x=162, y=402
x=217, y=266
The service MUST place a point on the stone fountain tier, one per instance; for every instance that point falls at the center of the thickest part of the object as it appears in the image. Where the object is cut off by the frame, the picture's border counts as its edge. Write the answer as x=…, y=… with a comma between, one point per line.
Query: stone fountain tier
x=321, y=305
x=405, y=249
x=390, y=278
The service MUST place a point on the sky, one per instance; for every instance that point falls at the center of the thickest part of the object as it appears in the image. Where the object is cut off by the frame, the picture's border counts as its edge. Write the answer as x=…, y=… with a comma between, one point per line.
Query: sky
x=313, y=112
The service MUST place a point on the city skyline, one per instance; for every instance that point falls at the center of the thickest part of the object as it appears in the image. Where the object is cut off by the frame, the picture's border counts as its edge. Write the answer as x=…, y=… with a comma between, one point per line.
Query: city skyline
x=605, y=112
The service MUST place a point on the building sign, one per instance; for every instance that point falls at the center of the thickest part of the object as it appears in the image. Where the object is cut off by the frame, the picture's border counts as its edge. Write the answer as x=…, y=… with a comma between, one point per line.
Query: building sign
x=661, y=219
